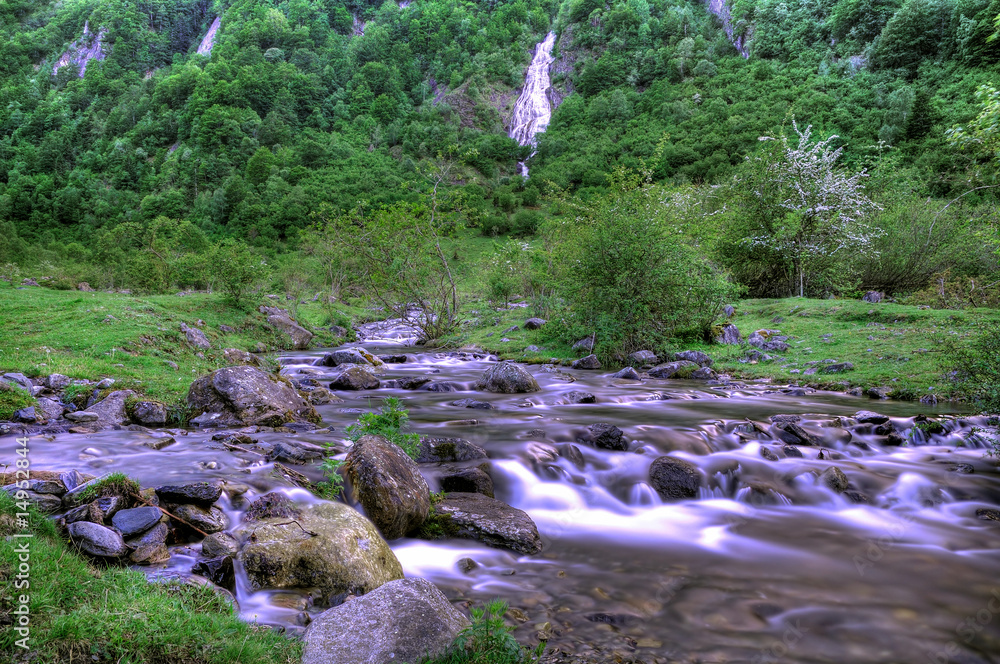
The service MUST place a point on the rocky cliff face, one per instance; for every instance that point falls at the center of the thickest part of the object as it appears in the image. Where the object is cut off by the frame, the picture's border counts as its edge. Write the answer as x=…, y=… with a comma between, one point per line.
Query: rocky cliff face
x=88, y=47
x=721, y=10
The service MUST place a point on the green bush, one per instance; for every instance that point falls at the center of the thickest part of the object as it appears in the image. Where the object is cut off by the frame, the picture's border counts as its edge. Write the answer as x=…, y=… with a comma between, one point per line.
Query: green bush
x=389, y=423
x=239, y=270
x=977, y=369
x=488, y=640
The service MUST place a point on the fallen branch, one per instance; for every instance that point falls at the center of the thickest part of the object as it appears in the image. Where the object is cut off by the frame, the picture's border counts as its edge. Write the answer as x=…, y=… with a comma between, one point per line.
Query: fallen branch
x=172, y=516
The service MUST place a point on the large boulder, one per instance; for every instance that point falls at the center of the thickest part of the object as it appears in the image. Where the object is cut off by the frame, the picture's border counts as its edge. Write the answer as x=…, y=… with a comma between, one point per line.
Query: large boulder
x=247, y=395
x=407, y=620
x=148, y=413
x=342, y=356
x=111, y=409
x=674, y=479
x=353, y=377
x=641, y=358
x=696, y=356
x=280, y=320
x=507, y=378
x=329, y=547
x=589, y=362
x=727, y=334
x=478, y=517
x=388, y=485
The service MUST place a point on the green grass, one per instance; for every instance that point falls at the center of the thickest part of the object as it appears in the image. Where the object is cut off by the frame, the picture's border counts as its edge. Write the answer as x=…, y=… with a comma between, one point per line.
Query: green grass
x=115, y=484
x=13, y=398
x=129, y=338
x=81, y=613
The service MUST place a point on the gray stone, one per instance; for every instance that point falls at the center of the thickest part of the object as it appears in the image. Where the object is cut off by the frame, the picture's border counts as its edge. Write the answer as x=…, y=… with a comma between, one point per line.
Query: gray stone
x=45, y=503
x=96, y=540
x=790, y=432
x=408, y=620
x=287, y=452
x=534, y=323
x=149, y=413
x=507, y=378
x=680, y=369
x=51, y=409
x=468, y=480
x=136, y=520
x=473, y=403
x=590, y=362
x=839, y=367
x=388, y=485
x=580, y=397
x=236, y=356
x=272, y=506
x=82, y=416
x=197, y=493
x=219, y=544
x=280, y=320
x=354, y=378
x=105, y=383
x=25, y=415
x=155, y=535
x=20, y=380
x=448, y=450
x=768, y=454
x=111, y=409
x=56, y=381
x=727, y=334
x=342, y=356
x=195, y=337
x=332, y=549
x=208, y=520
x=704, y=373
x=586, y=344
x=475, y=516
x=869, y=417
x=605, y=436
x=149, y=554
x=835, y=479
x=696, y=356
x=674, y=479
x=628, y=373
x=641, y=358
x=247, y=395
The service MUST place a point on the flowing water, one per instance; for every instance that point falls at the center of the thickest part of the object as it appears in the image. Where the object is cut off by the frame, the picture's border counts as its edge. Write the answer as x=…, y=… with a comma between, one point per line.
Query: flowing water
x=766, y=564
x=532, y=110
x=208, y=41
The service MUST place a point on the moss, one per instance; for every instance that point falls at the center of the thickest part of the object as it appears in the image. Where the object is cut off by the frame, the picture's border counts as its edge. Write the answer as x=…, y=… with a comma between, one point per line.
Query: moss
x=115, y=484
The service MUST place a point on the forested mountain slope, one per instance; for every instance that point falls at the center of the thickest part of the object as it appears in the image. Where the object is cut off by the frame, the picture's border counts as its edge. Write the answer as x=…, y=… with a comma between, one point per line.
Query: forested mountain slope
x=303, y=102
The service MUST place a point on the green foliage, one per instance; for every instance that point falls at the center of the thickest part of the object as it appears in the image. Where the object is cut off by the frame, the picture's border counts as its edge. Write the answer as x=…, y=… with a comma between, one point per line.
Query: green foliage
x=240, y=271
x=507, y=272
x=389, y=423
x=12, y=399
x=488, y=640
x=333, y=482
x=977, y=369
x=113, y=484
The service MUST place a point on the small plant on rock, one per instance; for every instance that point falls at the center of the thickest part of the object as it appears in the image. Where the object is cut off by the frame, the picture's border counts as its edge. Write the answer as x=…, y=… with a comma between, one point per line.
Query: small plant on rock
x=488, y=640
x=389, y=423
x=333, y=483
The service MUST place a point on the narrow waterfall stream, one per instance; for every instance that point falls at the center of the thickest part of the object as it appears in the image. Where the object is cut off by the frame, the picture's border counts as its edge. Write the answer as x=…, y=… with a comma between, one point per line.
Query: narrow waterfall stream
x=768, y=563
x=532, y=110
x=205, y=48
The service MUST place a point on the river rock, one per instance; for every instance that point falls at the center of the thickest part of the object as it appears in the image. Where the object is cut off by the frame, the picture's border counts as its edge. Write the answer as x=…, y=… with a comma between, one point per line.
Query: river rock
x=273, y=505
x=219, y=544
x=208, y=520
x=728, y=334
x=408, y=620
x=674, y=479
x=835, y=479
x=448, y=449
x=149, y=413
x=473, y=403
x=197, y=493
x=46, y=503
x=468, y=480
x=507, y=378
x=590, y=362
x=388, y=485
x=219, y=571
x=196, y=337
x=354, y=378
x=475, y=516
x=641, y=358
x=343, y=356
x=236, y=356
x=766, y=453
x=869, y=417
x=149, y=554
x=342, y=551
x=51, y=409
x=580, y=397
x=534, y=323
x=25, y=415
x=97, y=540
x=155, y=535
x=680, y=369
x=704, y=373
x=696, y=356
x=412, y=382
x=605, y=436
x=297, y=453
x=82, y=416
x=280, y=320
x=792, y=452
x=246, y=395
x=133, y=521
x=792, y=433
x=628, y=373
x=111, y=409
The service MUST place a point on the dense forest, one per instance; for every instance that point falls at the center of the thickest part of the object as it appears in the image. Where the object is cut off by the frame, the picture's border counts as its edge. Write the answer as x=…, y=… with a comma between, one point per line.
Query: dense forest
x=134, y=137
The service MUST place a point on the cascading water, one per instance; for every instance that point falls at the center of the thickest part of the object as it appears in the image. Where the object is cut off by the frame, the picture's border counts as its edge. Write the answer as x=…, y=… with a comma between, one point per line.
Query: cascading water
x=532, y=110
x=205, y=48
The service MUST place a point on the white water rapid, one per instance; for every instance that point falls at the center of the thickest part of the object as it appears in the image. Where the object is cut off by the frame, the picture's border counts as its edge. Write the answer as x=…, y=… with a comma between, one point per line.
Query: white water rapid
x=205, y=48
x=532, y=110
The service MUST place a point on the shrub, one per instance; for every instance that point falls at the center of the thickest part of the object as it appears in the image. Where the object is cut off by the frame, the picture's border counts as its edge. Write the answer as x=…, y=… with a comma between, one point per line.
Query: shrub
x=389, y=423
x=977, y=369
x=488, y=640
x=240, y=271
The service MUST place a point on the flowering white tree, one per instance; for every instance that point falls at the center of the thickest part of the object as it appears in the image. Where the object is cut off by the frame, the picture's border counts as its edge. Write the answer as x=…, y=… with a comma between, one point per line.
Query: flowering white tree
x=807, y=207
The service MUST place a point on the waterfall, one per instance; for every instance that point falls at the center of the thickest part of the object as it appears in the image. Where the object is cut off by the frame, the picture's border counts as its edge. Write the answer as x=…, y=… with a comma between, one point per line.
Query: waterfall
x=205, y=48
x=532, y=110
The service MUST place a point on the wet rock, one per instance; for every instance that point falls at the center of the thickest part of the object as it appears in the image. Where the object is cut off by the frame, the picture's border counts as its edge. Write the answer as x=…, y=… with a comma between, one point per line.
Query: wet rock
x=409, y=620
x=247, y=395
x=354, y=378
x=837, y=367
x=273, y=505
x=97, y=540
x=149, y=413
x=466, y=565
x=605, y=436
x=728, y=334
x=507, y=378
x=46, y=503
x=133, y=521
x=674, y=479
x=590, y=362
x=475, y=516
x=962, y=468
x=768, y=454
x=448, y=449
x=792, y=452
x=320, y=396
x=696, y=356
x=573, y=453
x=111, y=409
x=236, y=356
x=641, y=358
x=681, y=369
x=580, y=397
x=412, y=382
x=219, y=571
x=280, y=320
x=704, y=373
x=51, y=409
x=834, y=478
x=468, y=480
x=791, y=432
x=197, y=493
x=208, y=520
x=25, y=415
x=534, y=323
x=155, y=535
x=440, y=387
x=988, y=514
x=87, y=512
x=760, y=493
x=868, y=417
x=393, y=359
x=343, y=356
x=628, y=373
x=219, y=544
x=149, y=554
x=388, y=485
x=82, y=416
x=585, y=345
x=855, y=497
x=473, y=403
x=287, y=452
x=332, y=548
x=195, y=337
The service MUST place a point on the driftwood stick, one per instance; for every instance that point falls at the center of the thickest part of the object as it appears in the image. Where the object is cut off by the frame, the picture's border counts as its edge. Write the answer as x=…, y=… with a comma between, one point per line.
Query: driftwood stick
x=172, y=516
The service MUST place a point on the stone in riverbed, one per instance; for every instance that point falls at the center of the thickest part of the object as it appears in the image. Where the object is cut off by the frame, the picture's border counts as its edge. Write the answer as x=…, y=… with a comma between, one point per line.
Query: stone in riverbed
x=208, y=520
x=155, y=535
x=507, y=378
x=219, y=544
x=149, y=554
x=580, y=397
x=97, y=540
x=388, y=485
x=343, y=356
x=605, y=436
x=473, y=403
x=149, y=413
x=628, y=373
x=674, y=479
x=246, y=395
x=273, y=505
x=590, y=362
x=219, y=571
x=332, y=548
x=354, y=378
x=834, y=478
x=82, y=416
x=408, y=620
x=790, y=432
x=475, y=516
x=680, y=369
x=448, y=449
x=136, y=520
x=468, y=480
x=869, y=417
x=197, y=493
